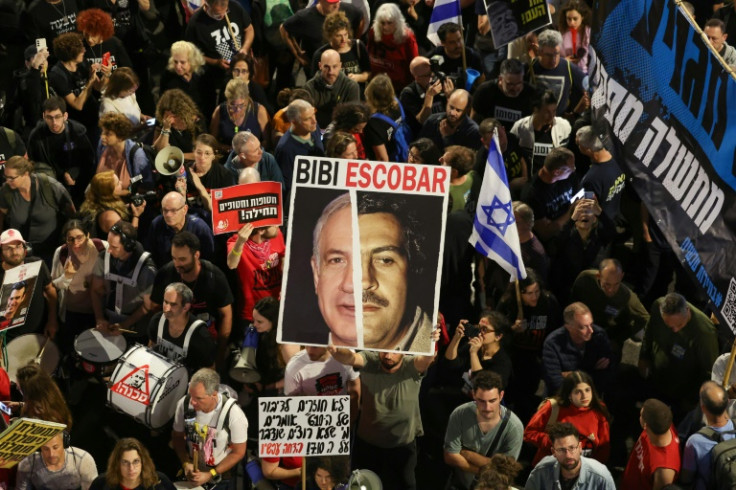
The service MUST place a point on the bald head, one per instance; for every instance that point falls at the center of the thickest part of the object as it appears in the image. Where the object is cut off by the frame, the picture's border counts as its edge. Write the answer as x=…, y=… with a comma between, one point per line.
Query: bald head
x=417, y=62
x=713, y=399
x=457, y=107
x=330, y=66
x=174, y=210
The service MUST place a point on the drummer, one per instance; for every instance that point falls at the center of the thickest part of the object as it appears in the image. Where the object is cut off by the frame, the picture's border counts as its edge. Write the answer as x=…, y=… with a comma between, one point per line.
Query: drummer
x=121, y=283
x=177, y=334
x=42, y=307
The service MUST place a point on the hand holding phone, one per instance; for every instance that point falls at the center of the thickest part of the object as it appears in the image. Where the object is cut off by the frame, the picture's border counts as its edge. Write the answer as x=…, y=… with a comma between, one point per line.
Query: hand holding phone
x=106, y=59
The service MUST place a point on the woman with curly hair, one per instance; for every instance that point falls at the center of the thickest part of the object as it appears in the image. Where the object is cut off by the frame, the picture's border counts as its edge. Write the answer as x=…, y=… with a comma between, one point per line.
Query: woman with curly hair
x=239, y=112
x=73, y=80
x=392, y=46
x=498, y=474
x=130, y=467
x=42, y=398
x=338, y=34
x=119, y=96
x=102, y=205
x=184, y=70
x=178, y=122
x=351, y=117
x=578, y=403
x=342, y=145
x=117, y=152
x=99, y=38
x=378, y=134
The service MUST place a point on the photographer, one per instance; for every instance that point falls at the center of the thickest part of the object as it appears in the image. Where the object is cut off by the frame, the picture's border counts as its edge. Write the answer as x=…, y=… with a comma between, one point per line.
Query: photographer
x=483, y=349
x=449, y=54
x=426, y=95
x=103, y=207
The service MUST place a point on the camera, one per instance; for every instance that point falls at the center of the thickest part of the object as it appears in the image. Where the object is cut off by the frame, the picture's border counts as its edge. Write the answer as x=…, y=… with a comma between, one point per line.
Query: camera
x=435, y=64
x=137, y=196
x=471, y=330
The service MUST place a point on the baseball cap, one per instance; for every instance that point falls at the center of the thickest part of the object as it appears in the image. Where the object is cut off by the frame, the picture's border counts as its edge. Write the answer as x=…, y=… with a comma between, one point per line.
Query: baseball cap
x=332, y=1
x=11, y=235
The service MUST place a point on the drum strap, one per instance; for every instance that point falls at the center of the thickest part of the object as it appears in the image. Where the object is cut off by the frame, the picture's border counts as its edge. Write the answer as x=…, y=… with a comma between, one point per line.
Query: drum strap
x=122, y=281
x=187, y=338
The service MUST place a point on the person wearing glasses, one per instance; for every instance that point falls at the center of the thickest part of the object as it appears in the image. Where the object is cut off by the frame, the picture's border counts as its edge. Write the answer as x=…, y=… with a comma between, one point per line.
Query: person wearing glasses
x=479, y=429
x=238, y=113
x=203, y=175
x=175, y=218
x=567, y=467
x=130, y=467
x=482, y=350
x=248, y=153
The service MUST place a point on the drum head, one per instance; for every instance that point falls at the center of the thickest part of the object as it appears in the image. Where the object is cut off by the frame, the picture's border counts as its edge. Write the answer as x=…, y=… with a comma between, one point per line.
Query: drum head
x=25, y=349
x=173, y=388
x=94, y=346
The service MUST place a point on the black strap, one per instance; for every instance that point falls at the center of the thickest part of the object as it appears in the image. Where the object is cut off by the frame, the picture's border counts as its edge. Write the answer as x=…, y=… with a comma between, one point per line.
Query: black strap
x=497, y=437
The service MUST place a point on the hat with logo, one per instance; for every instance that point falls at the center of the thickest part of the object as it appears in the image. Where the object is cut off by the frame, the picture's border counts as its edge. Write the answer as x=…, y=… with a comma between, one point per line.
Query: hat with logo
x=11, y=235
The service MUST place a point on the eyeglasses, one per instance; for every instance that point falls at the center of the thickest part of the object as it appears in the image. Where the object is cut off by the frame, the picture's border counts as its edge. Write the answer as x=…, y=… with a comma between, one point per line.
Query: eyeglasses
x=236, y=107
x=238, y=71
x=201, y=153
x=75, y=239
x=135, y=463
x=569, y=449
x=483, y=329
x=8, y=178
x=172, y=211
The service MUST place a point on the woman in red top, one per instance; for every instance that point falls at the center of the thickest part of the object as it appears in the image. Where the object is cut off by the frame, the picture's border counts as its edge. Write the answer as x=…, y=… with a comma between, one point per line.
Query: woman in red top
x=392, y=46
x=577, y=402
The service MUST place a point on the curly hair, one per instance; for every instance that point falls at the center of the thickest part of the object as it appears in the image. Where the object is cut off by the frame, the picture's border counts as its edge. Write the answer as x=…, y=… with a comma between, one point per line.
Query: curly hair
x=428, y=151
x=192, y=52
x=68, y=46
x=335, y=22
x=95, y=22
x=114, y=477
x=499, y=473
x=180, y=104
x=380, y=93
x=390, y=11
x=349, y=114
x=460, y=158
x=100, y=196
x=41, y=396
x=121, y=80
x=117, y=123
x=569, y=383
x=248, y=60
x=585, y=14
x=338, y=143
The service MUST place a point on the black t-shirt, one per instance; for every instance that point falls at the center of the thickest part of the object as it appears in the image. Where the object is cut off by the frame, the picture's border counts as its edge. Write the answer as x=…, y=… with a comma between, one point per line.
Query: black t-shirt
x=211, y=289
x=48, y=21
x=65, y=82
x=37, y=312
x=454, y=67
x=542, y=146
x=566, y=81
x=378, y=132
x=118, y=54
x=412, y=99
x=122, y=17
x=355, y=61
x=213, y=36
x=549, y=200
x=170, y=80
x=201, y=349
x=305, y=26
x=490, y=101
x=217, y=178
x=607, y=181
x=511, y=158
x=540, y=320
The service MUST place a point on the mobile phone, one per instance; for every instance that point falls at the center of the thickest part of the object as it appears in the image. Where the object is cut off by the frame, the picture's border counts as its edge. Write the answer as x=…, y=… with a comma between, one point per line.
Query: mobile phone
x=578, y=195
x=151, y=122
x=589, y=195
x=471, y=330
x=5, y=408
x=106, y=59
x=41, y=44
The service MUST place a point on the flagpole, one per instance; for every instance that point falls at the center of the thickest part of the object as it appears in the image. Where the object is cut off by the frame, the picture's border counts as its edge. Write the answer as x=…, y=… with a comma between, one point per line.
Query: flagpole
x=462, y=35
x=520, y=314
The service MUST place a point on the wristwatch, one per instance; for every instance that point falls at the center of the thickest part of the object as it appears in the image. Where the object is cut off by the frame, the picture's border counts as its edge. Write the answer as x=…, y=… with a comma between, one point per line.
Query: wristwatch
x=216, y=477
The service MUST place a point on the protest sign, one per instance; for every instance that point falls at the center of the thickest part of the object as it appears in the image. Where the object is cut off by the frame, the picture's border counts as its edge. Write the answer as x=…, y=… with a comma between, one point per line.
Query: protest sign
x=258, y=204
x=301, y=426
x=512, y=19
x=16, y=293
x=399, y=212
x=663, y=100
x=24, y=437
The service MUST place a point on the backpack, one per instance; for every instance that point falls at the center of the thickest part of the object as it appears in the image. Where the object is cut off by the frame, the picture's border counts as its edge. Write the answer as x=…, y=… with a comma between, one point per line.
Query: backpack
x=223, y=419
x=150, y=152
x=723, y=459
x=47, y=193
x=402, y=134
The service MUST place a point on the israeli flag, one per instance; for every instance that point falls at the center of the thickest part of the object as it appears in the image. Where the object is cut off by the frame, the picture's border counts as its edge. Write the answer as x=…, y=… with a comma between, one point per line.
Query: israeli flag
x=494, y=227
x=442, y=12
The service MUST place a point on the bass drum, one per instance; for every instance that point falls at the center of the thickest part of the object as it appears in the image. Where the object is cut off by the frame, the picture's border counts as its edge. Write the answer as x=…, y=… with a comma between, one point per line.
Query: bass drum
x=26, y=348
x=147, y=386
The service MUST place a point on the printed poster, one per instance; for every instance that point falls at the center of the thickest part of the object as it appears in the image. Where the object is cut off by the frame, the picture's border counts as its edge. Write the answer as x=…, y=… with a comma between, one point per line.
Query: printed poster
x=258, y=203
x=16, y=293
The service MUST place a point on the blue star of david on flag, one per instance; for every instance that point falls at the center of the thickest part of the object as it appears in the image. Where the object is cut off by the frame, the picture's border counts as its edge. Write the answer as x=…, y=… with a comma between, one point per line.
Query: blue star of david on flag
x=494, y=227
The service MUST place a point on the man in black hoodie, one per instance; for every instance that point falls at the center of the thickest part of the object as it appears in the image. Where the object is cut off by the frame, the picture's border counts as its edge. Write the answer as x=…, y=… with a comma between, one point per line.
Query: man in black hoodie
x=330, y=86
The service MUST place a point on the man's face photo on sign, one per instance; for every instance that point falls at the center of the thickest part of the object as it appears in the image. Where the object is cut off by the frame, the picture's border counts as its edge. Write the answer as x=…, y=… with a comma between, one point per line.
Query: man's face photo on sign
x=15, y=300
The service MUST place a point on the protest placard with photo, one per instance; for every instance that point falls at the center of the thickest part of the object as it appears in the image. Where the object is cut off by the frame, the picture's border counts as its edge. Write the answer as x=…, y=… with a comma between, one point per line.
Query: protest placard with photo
x=399, y=212
x=511, y=20
x=258, y=203
x=16, y=293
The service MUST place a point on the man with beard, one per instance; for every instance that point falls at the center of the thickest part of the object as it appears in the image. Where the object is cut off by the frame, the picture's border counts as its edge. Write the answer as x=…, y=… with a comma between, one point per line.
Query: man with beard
x=390, y=421
x=212, y=298
x=177, y=334
x=42, y=308
x=453, y=127
x=57, y=465
x=331, y=86
x=16, y=298
x=567, y=467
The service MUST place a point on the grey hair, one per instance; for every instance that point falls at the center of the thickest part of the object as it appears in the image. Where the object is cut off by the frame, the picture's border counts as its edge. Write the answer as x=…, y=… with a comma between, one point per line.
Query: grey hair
x=390, y=11
x=340, y=202
x=549, y=39
x=249, y=175
x=186, y=294
x=180, y=200
x=573, y=309
x=525, y=212
x=209, y=379
x=673, y=304
x=588, y=139
x=295, y=109
x=241, y=139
